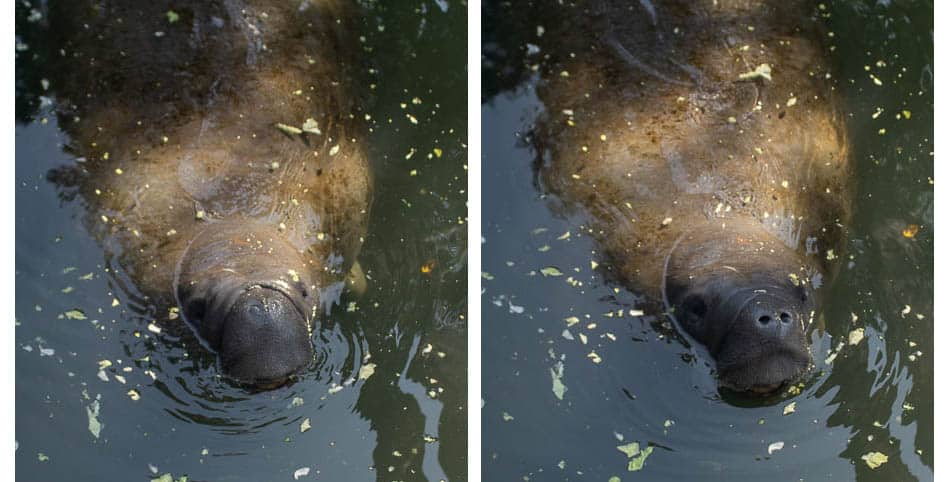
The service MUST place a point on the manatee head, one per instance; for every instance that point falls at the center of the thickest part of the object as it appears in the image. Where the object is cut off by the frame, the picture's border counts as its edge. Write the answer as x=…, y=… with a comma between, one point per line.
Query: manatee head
x=746, y=300
x=247, y=304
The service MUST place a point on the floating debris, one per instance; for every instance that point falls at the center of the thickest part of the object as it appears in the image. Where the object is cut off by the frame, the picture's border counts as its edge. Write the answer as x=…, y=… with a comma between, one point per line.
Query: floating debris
x=557, y=386
x=637, y=457
x=311, y=126
x=75, y=315
x=910, y=231
x=775, y=447
x=301, y=472
x=305, y=425
x=856, y=336
x=92, y=412
x=551, y=271
x=366, y=371
x=290, y=130
x=763, y=71
x=789, y=409
x=874, y=459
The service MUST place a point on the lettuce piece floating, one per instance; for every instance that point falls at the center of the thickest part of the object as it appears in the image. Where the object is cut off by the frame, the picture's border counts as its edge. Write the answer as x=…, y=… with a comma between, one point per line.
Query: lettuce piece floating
x=874, y=459
x=763, y=71
x=92, y=411
x=75, y=315
x=637, y=457
x=290, y=130
x=551, y=271
x=557, y=386
x=310, y=125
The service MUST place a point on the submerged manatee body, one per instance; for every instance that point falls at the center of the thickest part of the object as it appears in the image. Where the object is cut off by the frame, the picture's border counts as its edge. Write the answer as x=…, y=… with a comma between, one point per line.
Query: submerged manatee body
x=704, y=143
x=206, y=203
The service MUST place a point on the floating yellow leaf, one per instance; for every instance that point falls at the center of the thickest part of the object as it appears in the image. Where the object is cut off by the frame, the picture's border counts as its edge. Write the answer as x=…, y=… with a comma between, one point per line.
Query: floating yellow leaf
x=874, y=459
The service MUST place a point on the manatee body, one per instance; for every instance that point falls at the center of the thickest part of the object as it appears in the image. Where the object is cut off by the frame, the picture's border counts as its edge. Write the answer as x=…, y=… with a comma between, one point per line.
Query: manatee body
x=716, y=184
x=205, y=204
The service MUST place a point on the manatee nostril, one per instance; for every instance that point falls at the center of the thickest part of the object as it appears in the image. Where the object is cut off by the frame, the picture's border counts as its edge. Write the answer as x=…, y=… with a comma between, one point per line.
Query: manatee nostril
x=785, y=317
x=765, y=319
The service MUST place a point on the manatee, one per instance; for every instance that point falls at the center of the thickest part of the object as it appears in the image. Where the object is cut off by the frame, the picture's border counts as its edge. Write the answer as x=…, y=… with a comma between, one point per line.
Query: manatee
x=221, y=161
x=703, y=144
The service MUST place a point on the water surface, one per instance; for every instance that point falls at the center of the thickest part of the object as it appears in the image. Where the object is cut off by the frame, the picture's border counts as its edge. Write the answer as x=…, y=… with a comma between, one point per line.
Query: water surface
x=650, y=388
x=76, y=418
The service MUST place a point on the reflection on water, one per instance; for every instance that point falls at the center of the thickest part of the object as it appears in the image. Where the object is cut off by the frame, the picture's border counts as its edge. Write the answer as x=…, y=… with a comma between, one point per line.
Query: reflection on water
x=572, y=370
x=107, y=391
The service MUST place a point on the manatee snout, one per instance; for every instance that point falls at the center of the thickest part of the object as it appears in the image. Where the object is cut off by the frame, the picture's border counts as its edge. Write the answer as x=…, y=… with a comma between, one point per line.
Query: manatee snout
x=264, y=338
x=753, y=323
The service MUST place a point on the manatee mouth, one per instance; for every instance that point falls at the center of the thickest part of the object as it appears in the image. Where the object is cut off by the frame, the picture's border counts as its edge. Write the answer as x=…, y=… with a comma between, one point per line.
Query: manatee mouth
x=764, y=374
x=265, y=339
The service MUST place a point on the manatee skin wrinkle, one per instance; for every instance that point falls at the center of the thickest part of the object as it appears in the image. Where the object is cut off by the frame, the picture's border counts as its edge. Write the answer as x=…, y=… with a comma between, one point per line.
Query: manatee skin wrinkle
x=187, y=181
x=721, y=193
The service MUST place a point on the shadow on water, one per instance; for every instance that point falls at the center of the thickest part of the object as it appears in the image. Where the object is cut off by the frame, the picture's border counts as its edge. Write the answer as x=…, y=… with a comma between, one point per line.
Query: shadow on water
x=105, y=391
x=577, y=365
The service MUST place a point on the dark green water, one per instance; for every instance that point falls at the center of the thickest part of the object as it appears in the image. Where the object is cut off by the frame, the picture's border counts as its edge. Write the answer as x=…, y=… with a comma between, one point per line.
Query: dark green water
x=875, y=396
x=405, y=422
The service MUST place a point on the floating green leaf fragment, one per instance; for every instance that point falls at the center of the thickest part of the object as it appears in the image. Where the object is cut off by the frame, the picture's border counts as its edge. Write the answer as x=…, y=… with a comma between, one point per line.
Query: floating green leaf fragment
x=856, y=336
x=296, y=402
x=631, y=449
x=86, y=277
x=636, y=456
x=291, y=130
x=637, y=462
x=790, y=408
x=551, y=271
x=310, y=125
x=92, y=411
x=67, y=290
x=172, y=16
x=305, y=425
x=42, y=457
x=544, y=249
x=874, y=459
x=557, y=386
x=169, y=478
x=613, y=478
x=488, y=276
x=572, y=320
x=564, y=236
x=367, y=371
x=506, y=416
x=75, y=315
x=763, y=71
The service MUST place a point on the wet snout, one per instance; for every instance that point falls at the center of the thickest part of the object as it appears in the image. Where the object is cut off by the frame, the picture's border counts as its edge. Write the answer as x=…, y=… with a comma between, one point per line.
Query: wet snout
x=765, y=347
x=265, y=338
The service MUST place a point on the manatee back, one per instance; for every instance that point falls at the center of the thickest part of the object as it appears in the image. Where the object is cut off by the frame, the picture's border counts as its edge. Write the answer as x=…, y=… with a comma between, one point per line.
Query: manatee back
x=656, y=125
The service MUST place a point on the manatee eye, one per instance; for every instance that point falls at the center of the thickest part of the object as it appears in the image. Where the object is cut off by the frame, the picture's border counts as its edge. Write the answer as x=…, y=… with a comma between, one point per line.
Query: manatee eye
x=695, y=308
